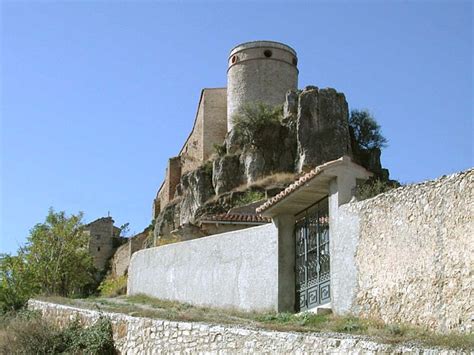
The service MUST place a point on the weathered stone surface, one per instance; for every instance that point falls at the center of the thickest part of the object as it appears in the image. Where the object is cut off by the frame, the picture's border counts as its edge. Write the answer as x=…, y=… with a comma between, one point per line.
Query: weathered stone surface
x=226, y=173
x=276, y=154
x=196, y=189
x=414, y=253
x=167, y=220
x=322, y=127
x=138, y=335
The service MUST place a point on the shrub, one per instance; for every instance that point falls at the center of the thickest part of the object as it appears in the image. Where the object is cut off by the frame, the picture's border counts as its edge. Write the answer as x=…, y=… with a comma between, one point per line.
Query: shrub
x=113, y=286
x=26, y=332
x=373, y=188
x=253, y=119
x=220, y=149
x=249, y=197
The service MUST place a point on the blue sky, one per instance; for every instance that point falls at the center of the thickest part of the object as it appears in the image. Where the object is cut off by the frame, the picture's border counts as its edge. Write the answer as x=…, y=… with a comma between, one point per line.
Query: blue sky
x=96, y=95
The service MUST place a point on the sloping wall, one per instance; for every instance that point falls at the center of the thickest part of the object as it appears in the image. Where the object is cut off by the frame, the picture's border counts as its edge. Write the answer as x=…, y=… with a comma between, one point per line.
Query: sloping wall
x=407, y=256
x=231, y=270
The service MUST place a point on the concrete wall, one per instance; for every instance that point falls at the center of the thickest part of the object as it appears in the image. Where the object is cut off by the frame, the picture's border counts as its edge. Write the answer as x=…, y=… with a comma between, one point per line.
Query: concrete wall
x=137, y=335
x=232, y=270
x=407, y=256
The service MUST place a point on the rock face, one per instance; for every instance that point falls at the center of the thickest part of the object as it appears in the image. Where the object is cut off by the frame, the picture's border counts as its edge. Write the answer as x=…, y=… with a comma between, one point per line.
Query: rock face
x=196, y=189
x=322, y=127
x=226, y=173
x=167, y=220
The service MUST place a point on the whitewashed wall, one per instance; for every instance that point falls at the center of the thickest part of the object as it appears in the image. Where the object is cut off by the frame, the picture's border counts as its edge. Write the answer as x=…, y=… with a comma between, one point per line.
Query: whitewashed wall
x=231, y=270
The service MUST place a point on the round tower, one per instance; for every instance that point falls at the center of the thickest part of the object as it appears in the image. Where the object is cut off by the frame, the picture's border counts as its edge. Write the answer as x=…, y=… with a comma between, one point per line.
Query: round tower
x=259, y=71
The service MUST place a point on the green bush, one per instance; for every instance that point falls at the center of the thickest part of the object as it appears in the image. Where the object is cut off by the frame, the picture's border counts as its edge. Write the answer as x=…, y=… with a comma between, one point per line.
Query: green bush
x=220, y=149
x=249, y=197
x=26, y=332
x=113, y=286
x=373, y=188
x=253, y=119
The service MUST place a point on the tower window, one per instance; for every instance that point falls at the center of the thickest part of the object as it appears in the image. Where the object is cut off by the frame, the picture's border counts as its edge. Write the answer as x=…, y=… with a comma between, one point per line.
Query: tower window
x=268, y=53
x=98, y=248
x=295, y=61
x=234, y=59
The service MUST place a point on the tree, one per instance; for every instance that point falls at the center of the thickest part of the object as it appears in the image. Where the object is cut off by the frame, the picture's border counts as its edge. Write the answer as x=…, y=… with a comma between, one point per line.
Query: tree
x=366, y=130
x=16, y=284
x=57, y=253
x=55, y=260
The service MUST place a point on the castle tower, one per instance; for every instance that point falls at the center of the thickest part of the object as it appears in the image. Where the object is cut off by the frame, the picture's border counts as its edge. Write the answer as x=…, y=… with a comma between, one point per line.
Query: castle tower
x=260, y=71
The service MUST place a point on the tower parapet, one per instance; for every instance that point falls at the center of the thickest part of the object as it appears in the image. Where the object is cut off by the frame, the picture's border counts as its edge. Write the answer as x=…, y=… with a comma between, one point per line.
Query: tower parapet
x=259, y=71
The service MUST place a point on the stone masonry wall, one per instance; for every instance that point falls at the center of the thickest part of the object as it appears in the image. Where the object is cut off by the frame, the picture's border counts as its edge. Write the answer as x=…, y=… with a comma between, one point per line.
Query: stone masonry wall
x=101, y=245
x=210, y=127
x=137, y=335
x=414, y=253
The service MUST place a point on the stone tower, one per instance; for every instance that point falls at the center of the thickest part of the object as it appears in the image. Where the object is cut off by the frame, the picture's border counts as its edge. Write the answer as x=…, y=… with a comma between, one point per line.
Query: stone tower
x=260, y=71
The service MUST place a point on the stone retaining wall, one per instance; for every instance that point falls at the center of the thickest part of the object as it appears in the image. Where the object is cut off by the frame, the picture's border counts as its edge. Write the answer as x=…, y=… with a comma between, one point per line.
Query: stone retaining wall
x=137, y=335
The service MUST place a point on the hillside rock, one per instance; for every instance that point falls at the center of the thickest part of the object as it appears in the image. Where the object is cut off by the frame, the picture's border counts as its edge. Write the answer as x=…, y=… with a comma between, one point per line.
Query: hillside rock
x=226, y=173
x=196, y=188
x=322, y=127
x=167, y=220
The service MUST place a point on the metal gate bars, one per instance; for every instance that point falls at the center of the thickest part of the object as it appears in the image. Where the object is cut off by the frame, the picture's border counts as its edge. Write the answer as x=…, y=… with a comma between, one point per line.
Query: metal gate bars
x=312, y=256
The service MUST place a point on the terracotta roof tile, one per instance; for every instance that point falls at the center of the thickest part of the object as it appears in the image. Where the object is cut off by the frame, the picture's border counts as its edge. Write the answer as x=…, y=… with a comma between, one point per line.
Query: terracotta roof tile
x=233, y=217
x=297, y=184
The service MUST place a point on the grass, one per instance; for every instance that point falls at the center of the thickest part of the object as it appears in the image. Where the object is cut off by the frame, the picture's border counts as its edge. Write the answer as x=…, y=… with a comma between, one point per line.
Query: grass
x=269, y=181
x=144, y=306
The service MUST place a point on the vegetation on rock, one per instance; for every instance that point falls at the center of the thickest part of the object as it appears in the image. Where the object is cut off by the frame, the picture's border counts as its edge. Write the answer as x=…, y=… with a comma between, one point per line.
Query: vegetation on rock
x=374, y=187
x=253, y=120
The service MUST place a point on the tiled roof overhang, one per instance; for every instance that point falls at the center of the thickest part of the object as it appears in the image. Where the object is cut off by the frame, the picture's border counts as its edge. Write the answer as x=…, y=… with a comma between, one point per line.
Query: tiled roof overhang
x=235, y=219
x=311, y=187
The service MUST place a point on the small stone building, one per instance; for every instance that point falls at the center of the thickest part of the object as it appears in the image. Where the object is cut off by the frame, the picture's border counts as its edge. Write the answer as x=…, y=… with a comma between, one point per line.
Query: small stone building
x=104, y=238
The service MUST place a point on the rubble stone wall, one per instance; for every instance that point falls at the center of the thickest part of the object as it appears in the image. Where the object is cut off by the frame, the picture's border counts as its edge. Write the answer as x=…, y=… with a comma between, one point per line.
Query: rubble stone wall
x=137, y=335
x=414, y=253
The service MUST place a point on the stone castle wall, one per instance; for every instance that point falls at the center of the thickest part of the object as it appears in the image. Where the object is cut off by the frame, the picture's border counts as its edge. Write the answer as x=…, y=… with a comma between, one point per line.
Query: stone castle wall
x=210, y=127
x=411, y=254
x=121, y=259
x=137, y=335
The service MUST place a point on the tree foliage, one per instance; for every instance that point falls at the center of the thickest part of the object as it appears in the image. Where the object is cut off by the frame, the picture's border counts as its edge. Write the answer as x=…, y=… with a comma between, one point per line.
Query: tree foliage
x=252, y=119
x=366, y=130
x=55, y=260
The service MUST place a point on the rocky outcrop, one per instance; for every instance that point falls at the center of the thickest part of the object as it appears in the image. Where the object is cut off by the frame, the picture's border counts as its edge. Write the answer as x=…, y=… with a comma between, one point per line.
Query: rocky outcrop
x=196, y=189
x=322, y=127
x=167, y=220
x=226, y=173
x=314, y=129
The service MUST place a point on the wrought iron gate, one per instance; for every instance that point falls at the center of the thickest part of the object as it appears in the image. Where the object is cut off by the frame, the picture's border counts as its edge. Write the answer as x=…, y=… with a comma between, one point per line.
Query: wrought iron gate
x=312, y=257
